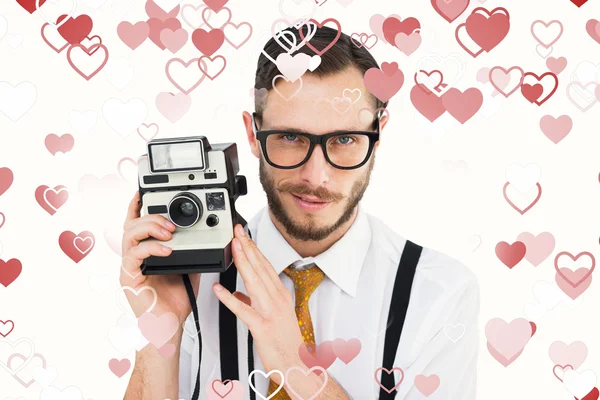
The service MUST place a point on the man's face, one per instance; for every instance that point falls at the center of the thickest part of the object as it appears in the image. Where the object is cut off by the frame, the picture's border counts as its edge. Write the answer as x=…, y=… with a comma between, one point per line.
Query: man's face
x=314, y=110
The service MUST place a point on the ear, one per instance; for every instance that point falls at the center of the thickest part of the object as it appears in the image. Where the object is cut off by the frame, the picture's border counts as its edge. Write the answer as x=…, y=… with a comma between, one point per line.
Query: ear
x=382, y=122
x=254, y=144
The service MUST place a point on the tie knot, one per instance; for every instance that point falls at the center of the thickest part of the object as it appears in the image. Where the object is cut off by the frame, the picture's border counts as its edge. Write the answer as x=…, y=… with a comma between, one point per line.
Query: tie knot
x=305, y=282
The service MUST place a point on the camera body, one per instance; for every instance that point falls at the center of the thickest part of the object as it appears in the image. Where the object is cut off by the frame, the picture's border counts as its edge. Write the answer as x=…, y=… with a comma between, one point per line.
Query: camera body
x=194, y=185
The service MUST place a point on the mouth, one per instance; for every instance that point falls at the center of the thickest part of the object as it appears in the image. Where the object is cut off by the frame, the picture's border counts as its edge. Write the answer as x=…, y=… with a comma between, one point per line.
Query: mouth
x=309, y=203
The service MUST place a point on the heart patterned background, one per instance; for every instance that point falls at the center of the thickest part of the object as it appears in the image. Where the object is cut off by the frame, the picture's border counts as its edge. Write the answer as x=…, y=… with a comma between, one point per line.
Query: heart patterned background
x=490, y=155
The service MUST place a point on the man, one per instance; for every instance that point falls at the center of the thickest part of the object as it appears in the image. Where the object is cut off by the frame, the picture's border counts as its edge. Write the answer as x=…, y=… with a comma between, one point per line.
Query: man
x=317, y=267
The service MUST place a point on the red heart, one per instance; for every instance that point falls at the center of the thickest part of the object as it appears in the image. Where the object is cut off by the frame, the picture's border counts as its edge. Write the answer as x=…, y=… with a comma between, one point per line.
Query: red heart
x=29, y=5
x=593, y=395
x=510, y=254
x=208, y=42
x=215, y=5
x=532, y=92
x=579, y=3
x=6, y=179
x=74, y=30
x=392, y=26
x=488, y=32
x=9, y=271
x=427, y=104
x=320, y=25
x=77, y=247
x=462, y=105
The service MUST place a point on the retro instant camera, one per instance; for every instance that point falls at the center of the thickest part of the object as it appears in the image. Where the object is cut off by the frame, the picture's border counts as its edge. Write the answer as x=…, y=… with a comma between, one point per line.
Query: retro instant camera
x=194, y=185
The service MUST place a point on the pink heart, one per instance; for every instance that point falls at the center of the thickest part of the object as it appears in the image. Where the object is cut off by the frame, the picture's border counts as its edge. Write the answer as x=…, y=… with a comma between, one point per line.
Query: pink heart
x=222, y=388
x=323, y=356
x=148, y=131
x=173, y=106
x=133, y=35
x=173, y=40
x=562, y=368
x=427, y=384
x=168, y=350
x=573, y=354
x=292, y=391
x=407, y=44
x=538, y=248
x=556, y=65
x=158, y=330
x=227, y=389
x=506, y=341
x=384, y=83
x=346, y=350
x=389, y=371
x=513, y=205
x=556, y=129
x=6, y=179
x=119, y=367
x=581, y=274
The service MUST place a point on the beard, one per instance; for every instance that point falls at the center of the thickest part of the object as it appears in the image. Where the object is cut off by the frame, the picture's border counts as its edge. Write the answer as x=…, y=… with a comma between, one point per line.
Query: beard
x=311, y=231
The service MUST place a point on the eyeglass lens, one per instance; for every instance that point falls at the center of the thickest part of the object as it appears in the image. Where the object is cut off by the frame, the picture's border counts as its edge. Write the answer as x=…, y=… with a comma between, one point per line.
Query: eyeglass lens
x=345, y=150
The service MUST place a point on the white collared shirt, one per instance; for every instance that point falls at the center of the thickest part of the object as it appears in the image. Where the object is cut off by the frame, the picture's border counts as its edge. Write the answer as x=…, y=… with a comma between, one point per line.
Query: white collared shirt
x=440, y=334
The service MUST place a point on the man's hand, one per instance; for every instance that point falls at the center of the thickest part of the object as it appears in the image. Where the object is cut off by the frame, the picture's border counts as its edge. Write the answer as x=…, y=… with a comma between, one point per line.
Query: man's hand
x=270, y=314
x=268, y=310
x=154, y=376
x=170, y=291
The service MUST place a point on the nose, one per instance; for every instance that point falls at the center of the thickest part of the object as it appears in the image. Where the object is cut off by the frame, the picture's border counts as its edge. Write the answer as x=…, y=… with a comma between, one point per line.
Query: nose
x=314, y=171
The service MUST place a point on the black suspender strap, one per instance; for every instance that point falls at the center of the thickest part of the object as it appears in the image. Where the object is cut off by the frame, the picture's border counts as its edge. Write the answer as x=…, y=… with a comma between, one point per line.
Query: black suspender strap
x=192, y=298
x=397, y=313
x=228, y=334
x=228, y=347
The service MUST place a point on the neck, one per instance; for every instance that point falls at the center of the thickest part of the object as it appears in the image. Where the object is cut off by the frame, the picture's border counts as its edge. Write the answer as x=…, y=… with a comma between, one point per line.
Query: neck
x=314, y=248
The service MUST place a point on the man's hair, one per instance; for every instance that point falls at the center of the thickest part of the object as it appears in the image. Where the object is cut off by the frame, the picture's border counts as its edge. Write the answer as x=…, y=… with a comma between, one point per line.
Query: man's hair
x=343, y=54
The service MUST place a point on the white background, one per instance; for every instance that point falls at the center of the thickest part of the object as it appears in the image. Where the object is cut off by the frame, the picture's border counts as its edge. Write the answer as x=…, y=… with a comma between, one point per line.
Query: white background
x=412, y=188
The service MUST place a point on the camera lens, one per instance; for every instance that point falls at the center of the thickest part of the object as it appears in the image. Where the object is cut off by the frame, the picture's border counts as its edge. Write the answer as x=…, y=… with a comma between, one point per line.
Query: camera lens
x=185, y=210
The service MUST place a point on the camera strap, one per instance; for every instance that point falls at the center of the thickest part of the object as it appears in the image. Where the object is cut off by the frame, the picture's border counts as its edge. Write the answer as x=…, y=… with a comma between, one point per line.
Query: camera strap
x=397, y=313
x=228, y=348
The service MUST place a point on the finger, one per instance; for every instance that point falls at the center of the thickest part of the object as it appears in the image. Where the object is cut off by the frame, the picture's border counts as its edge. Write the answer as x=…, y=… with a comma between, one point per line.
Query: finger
x=147, y=249
x=259, y=262
x=159, y=219
x=131, y=272
x=253, y=282
x=144, y=230
x=241, y=310
x=243, y=297
x=133, y=211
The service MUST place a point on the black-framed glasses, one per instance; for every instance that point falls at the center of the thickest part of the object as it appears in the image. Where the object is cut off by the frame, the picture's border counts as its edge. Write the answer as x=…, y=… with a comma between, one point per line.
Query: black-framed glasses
x=288, y=149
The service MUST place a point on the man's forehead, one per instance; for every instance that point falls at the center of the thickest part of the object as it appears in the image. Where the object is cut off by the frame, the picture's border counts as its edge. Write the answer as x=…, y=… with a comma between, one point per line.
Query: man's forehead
x=321, y=104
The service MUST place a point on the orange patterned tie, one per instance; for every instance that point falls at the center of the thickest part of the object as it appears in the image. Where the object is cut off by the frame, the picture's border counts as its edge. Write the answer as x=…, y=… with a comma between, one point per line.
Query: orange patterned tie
x=305, y=282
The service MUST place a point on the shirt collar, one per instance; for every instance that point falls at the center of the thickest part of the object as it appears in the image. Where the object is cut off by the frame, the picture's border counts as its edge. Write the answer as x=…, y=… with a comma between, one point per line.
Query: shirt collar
x=342, y=262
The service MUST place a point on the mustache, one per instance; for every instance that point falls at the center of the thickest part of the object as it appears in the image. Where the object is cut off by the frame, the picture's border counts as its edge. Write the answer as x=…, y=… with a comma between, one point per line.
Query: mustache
x=321, y=193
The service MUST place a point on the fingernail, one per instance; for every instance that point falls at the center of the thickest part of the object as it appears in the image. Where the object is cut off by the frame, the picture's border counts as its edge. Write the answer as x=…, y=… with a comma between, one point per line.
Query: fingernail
x=164, y=232
x=237, y=244
x=166, y=249
x=242, y=231
x=218, y=287
x=169, y=225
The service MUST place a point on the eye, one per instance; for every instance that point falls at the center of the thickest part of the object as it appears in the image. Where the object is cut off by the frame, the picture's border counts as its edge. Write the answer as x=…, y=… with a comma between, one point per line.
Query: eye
x=289, y=137
x=345, y=140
